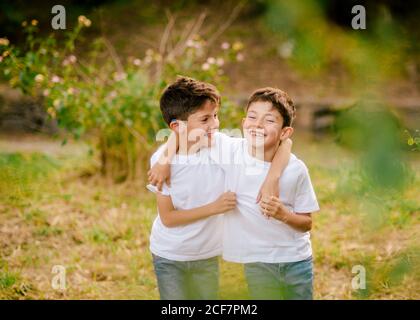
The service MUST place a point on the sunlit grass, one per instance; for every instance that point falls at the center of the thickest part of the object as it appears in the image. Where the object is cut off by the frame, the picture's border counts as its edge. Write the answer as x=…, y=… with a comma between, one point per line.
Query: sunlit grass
x=100, y=232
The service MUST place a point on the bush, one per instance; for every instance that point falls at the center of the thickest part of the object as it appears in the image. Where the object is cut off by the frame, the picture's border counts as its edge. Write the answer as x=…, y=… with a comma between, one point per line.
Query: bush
x=97, y=92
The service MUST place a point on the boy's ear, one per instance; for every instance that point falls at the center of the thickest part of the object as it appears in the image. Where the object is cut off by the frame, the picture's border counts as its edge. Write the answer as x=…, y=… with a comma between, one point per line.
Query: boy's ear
x=179, y=126
x=174, y=125
x=286, y=133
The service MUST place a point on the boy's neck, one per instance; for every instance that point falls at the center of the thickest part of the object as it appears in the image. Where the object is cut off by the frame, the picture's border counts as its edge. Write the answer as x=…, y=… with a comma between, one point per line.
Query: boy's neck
x=262, y=153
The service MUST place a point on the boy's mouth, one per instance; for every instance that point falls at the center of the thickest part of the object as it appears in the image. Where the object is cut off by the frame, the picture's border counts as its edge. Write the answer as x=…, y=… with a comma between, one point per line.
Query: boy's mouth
x=211, y=132
x=209, y=136
x=257, y=133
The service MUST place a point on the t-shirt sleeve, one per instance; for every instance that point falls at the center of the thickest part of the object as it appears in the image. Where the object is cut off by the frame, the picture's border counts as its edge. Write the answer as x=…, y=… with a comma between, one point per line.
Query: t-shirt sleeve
x=155, y=157
x=223, y=151
x=305, y=201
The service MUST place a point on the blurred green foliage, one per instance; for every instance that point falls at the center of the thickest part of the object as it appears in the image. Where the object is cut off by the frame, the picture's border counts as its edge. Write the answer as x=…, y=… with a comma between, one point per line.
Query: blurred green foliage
x=413, y=140
x=373, y=130
x=315, y=46
x=116, y=100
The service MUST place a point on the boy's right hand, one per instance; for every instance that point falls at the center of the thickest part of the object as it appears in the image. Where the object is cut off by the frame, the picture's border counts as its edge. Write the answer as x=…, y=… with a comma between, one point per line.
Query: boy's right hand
x=159, y=174
x=226, y=202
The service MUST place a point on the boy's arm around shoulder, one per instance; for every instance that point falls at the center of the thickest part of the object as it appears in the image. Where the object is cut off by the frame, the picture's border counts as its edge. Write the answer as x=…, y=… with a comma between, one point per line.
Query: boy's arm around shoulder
x=160, y=172
x=270, y=187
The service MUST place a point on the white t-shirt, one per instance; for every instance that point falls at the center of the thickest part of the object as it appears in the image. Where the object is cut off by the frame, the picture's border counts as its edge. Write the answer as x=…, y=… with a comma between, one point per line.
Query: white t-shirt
x=195, y=181
x=248, y=235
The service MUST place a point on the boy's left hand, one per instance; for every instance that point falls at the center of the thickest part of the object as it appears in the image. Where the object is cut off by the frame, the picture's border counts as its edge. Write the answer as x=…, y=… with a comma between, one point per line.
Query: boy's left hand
x=159, y=174
x=273, y=207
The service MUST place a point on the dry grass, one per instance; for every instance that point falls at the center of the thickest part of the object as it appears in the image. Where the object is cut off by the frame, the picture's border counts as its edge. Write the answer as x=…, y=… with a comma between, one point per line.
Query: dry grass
x=99, y=231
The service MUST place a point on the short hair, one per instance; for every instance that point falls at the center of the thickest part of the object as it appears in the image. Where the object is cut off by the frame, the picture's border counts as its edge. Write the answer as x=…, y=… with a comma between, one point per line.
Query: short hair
x=280, y=101
x=185, y=96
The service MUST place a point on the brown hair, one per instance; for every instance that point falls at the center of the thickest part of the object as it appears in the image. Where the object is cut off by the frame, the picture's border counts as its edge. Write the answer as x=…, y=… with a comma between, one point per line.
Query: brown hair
x=279, y=99
x=185, y=96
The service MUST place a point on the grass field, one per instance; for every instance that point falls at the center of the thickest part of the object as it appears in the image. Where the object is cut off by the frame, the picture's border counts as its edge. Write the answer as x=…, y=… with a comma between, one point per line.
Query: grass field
x=55, y=211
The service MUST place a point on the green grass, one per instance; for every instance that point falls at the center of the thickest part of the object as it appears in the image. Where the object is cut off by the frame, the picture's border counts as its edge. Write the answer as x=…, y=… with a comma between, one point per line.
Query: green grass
x=22, y=176
x=7, y=280
x=100, y=232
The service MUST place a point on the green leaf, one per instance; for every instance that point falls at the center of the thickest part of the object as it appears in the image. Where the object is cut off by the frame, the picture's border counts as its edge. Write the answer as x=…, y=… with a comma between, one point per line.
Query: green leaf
x=410, y=141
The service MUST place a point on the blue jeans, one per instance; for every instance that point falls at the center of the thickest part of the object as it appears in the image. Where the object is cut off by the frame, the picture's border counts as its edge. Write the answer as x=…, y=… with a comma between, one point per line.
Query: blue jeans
x=187, y=280
x=280, y=281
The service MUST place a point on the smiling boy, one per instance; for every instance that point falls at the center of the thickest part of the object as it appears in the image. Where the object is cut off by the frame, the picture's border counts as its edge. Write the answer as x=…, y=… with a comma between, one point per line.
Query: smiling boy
x=276, y=252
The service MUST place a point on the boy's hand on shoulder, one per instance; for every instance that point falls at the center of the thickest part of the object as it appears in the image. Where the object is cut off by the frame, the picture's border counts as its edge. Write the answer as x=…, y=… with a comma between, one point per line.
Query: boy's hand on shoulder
x=226, y=202
x=273, y=207
x=159, y=174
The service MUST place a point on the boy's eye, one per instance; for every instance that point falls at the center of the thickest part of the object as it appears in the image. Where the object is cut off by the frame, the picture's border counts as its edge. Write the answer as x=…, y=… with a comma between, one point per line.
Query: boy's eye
x=270, y=120
x=251, y=117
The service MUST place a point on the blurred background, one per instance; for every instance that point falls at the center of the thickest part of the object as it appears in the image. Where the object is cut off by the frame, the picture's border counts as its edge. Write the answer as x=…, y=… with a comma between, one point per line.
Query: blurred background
x=79, y=115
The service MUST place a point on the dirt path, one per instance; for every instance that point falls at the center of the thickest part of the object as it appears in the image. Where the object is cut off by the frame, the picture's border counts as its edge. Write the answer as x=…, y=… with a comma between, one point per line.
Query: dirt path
x=29, y=143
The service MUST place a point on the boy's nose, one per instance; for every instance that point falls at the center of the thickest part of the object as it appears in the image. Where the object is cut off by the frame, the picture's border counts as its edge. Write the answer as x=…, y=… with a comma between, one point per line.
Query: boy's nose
x=214, y=124
x=259, y=123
